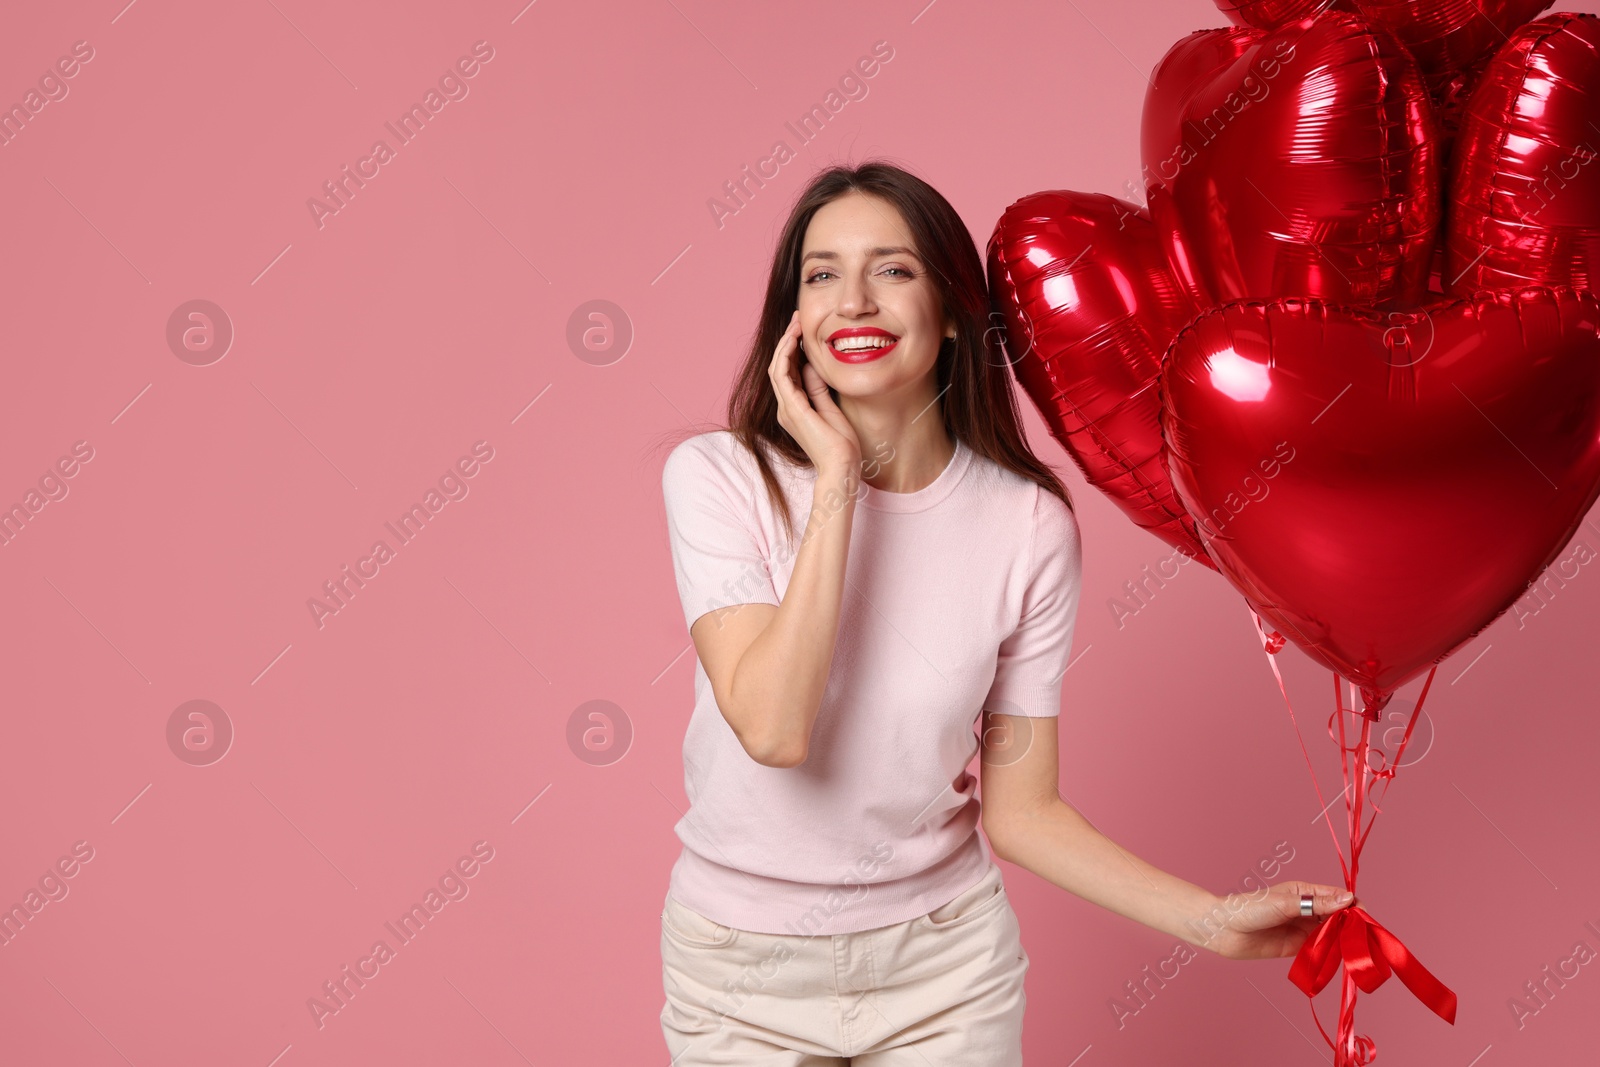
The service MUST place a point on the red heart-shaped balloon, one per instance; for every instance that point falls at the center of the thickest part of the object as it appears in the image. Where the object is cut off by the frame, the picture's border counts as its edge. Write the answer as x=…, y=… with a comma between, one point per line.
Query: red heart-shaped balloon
x=1450, y=37
x=1525, y=177
x=1270, y=14
x=1381, y=487
x=1306, y=165
x=1445, y=37
x=1089, y=308
x=1194, y=61
x=1452, y=41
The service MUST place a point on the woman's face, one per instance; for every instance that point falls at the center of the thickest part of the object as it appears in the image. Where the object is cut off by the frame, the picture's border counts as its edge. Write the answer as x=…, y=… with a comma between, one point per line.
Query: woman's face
x=870, y=316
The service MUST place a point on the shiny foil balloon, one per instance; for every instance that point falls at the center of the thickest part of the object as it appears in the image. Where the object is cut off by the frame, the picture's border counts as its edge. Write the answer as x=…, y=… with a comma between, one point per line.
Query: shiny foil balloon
x=1382, y=486
x=1525, y=180
x=1451, y=41
x=1193, y=61
x=1448, y=38
x=1089, y=308
x=1270, y=14
x=1305, y=166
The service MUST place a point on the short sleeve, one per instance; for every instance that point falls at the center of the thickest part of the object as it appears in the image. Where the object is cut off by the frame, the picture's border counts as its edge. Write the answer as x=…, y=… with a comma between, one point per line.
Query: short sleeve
x=1033, y=658
x=712, y=528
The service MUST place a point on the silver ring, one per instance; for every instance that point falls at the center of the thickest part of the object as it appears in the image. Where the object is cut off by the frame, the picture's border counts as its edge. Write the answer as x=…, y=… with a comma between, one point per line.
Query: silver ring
x=1306, y=904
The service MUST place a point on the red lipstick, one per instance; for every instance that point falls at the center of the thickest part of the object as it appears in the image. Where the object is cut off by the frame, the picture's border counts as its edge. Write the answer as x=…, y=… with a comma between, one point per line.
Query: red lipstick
x=861, y=344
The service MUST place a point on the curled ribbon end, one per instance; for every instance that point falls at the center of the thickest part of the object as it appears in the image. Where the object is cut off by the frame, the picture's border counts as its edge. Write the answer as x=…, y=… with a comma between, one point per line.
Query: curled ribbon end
x=1273, y=641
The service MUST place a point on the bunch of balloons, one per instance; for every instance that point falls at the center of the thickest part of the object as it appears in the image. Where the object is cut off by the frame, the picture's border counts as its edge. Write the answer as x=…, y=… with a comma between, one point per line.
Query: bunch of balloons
x=1348, y=355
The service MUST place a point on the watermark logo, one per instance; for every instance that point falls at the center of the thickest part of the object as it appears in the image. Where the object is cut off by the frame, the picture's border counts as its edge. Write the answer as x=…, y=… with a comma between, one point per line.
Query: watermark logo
x=753, y=977
x=199, y=732
x=1396, y=714
x=825, y=506
x=52, y=486
x=1139, y=992
x=452, y=85
x=1003, y=742
x=599, y=732
x=599, y=332
x=51, y=887
x=1551, y=581
x=453, y=885
x=199, y=332
x=1139, y=593
x=1253, y=887
x=1546, y=188
x=452, y=485
x=1409, y=337
x=1540, y=992
x=1201, y=131
x=852, y=85
x=1251, y=490
x=52, y=88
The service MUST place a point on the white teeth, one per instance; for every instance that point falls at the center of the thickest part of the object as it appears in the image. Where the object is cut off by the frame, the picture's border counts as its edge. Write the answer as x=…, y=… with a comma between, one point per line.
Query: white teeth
x=856, y=344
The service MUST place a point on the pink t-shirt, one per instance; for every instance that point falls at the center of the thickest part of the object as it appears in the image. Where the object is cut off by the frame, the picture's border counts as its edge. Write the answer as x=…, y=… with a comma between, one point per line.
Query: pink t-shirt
x=959, y=596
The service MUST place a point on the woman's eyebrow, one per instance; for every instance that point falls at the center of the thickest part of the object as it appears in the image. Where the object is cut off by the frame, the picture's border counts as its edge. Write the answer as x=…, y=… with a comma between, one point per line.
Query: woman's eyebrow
x=873, y=253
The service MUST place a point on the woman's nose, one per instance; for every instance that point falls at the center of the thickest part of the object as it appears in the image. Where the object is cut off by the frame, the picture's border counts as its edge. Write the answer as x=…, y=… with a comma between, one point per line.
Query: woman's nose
x=855, y=297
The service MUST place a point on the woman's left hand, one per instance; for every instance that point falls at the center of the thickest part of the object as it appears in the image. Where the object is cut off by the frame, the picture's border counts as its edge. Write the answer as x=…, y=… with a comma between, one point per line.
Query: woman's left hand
x=1267, y=925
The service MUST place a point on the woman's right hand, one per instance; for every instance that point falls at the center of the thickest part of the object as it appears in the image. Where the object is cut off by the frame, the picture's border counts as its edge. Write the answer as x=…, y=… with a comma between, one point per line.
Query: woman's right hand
x=808, y=412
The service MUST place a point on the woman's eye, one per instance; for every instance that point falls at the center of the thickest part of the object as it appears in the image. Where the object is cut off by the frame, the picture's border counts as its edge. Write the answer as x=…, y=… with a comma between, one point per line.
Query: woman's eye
x=901, y=271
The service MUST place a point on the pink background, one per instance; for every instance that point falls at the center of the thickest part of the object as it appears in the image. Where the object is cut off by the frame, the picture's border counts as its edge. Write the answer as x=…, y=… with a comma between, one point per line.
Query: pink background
x=432, y=711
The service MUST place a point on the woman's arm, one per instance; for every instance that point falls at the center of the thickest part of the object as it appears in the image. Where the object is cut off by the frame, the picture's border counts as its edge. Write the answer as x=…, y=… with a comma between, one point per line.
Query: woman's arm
x=768, y=665
x=1029, y=824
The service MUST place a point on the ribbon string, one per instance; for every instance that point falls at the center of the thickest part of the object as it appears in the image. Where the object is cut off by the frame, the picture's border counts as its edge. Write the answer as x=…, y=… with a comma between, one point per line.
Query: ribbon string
x=1387, y=772
x=1271, y=645
x=1351, y=936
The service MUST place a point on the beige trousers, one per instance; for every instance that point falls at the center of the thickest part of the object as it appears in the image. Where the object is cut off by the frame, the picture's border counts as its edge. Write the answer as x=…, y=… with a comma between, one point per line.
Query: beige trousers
x=944, y=989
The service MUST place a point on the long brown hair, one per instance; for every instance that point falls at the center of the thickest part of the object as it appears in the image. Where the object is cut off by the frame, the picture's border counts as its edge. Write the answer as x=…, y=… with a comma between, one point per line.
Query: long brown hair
x=972, y=374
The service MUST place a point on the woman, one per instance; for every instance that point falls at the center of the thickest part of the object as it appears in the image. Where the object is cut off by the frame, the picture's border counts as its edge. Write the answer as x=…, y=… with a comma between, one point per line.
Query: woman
x=833, y=902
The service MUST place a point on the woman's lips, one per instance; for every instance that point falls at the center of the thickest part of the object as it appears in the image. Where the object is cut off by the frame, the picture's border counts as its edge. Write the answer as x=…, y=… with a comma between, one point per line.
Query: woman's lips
x=862, y=355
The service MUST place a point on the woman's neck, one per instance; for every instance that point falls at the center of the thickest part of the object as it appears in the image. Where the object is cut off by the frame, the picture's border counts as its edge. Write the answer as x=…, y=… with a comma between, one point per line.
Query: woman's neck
x=901, y=451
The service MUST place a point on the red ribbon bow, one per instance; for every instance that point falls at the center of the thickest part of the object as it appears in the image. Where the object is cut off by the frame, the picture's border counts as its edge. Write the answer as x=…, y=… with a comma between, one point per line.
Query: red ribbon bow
x=1370, y=954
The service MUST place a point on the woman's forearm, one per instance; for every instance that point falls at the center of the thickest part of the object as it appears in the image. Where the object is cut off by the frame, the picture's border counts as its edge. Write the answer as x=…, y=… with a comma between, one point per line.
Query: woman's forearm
x=779, y=681
x=1059, y=845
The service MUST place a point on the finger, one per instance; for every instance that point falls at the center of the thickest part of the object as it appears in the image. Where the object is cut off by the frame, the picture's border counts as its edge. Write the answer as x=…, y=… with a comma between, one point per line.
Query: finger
x=782, y=351
x=781, y=369
x=789, y=348
x=796, y=398
x=789, y=382
x=1325, y=899
x=826, y=406
x=816, y=388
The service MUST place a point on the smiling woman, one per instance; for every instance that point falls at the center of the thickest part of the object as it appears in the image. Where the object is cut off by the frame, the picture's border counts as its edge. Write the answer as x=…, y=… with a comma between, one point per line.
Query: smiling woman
x=830, y=727
x=935, y=590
